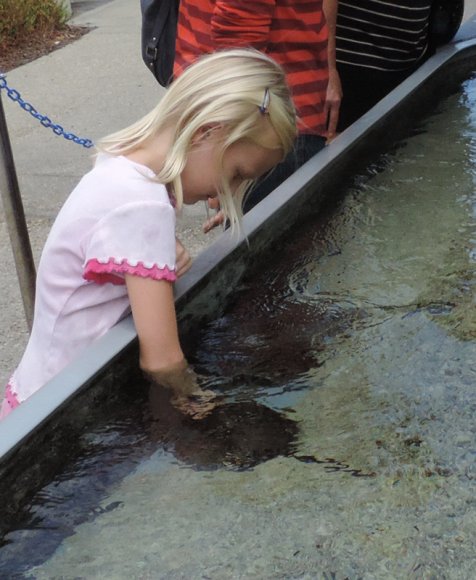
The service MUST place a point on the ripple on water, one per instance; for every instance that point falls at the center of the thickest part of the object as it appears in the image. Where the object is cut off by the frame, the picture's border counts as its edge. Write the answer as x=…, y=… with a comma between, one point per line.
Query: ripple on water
x=346, y=441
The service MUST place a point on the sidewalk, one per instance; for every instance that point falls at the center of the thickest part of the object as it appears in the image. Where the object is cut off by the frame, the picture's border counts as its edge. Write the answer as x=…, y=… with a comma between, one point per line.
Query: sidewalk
x=94, y=86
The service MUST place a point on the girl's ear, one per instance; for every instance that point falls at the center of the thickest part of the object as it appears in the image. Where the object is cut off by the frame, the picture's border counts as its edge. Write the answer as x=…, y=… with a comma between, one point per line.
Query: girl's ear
x=205, y=132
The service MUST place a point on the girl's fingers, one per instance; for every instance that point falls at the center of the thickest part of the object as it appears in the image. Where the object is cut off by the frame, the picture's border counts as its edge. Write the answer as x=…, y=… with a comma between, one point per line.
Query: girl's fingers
x=198, y=405
x=213, y=203
x=217, y=220
x=183, y=261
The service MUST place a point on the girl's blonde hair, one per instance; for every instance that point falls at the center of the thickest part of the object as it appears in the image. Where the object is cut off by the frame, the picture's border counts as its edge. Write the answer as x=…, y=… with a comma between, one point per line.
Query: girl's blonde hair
x=234, y=88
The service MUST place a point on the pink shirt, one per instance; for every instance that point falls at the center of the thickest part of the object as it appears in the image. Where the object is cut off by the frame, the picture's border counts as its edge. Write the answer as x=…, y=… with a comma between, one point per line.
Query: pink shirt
x=117, y=220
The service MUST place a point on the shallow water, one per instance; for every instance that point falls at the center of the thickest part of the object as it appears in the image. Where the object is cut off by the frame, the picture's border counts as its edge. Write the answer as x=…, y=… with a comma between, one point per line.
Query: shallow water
x=346, y=447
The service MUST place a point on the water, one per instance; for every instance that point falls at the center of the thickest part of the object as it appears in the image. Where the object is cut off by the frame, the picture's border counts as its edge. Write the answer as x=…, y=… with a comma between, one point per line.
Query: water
x=346, y=448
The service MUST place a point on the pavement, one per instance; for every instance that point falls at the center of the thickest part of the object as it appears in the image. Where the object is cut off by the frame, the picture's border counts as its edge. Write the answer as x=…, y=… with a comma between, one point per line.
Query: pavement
x=92, y=87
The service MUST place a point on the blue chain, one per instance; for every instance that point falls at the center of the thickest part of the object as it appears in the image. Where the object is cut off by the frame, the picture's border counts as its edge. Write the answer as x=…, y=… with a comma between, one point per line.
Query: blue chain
x=44, y=120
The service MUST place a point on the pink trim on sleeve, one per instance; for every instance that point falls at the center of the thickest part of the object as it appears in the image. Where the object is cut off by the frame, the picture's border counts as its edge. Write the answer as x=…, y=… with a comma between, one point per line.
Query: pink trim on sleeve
x=103, y=272
x=9, y=403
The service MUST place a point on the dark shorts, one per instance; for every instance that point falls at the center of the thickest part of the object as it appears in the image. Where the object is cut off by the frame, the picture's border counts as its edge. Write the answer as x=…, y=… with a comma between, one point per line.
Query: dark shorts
x=362, y=88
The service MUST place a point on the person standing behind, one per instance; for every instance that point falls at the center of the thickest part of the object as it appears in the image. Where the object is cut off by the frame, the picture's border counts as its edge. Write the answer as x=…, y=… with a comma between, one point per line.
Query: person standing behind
x=379, y=43
x=297, y=34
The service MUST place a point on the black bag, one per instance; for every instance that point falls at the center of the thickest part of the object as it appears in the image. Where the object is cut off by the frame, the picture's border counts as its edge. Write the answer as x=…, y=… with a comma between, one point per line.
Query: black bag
x=445, y=20
x=159, y=30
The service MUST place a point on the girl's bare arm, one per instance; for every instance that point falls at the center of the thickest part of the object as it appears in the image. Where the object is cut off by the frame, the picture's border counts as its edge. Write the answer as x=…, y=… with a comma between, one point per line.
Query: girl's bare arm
x=161, y=356
x=153, y=311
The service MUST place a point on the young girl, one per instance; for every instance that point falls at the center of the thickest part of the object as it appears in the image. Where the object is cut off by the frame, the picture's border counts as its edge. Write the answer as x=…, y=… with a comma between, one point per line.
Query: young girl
x=227, y=120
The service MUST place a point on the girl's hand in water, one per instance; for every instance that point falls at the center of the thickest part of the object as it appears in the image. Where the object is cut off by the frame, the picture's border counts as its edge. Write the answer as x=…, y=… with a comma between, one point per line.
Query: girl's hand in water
x=183, y=261
x=198, y=405
x=187, y=395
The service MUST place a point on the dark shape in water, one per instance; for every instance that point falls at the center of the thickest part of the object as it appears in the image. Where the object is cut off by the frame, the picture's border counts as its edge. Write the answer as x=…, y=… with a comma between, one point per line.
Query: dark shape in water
x=234, y=435
x=333, y=465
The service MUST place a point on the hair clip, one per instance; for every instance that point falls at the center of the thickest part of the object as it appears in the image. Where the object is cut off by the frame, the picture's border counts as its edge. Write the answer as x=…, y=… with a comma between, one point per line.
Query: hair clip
x=263, y=108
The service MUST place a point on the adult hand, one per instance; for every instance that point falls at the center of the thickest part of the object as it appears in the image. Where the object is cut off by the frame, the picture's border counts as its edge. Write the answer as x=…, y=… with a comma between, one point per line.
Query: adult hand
x=332, y=104
x=183, y=261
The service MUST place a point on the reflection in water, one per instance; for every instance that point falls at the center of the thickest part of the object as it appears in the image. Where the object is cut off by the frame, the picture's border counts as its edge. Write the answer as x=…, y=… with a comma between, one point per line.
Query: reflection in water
x=236, y=435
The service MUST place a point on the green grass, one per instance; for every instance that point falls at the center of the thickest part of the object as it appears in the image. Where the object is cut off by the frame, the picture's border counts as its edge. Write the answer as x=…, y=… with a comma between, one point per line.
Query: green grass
x=19, y=19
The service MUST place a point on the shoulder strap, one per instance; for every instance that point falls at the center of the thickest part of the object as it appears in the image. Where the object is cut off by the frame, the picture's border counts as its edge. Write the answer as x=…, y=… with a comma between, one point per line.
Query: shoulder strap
x=159, y=24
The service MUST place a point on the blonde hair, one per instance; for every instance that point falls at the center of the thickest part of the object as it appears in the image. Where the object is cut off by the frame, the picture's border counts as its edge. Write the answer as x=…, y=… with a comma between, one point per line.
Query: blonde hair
x=227, y=88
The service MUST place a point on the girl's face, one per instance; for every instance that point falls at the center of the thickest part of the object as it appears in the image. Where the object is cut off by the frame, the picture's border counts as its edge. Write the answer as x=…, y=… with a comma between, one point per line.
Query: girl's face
x=242, y=161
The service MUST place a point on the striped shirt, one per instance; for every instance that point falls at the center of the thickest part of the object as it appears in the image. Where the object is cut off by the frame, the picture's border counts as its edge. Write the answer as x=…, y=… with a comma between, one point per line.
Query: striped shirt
x=293, y=32
x=381, y=34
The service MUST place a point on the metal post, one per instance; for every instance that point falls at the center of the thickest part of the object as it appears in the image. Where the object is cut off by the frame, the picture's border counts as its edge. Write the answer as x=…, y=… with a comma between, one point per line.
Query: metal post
x=16, y=223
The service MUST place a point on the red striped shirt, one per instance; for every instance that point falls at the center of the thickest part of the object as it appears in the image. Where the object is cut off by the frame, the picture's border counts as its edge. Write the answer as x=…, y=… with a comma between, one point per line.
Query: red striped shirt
x=293, y=32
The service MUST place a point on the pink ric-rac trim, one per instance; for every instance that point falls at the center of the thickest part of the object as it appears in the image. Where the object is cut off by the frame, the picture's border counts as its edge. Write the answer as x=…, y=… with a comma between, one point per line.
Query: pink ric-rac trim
x=101, y=273
x=9, y=403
